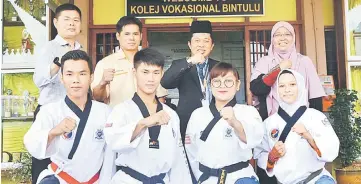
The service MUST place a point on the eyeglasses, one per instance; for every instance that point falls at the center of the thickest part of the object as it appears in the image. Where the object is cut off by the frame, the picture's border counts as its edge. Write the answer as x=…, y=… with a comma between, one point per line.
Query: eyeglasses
x=217, y=83
x=282, y=35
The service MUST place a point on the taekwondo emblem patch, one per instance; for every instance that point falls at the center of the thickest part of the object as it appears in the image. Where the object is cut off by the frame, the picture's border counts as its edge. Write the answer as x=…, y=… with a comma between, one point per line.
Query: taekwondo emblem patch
x=68, y=136
x=228, y=133
x=274, y=133
x=99, y=135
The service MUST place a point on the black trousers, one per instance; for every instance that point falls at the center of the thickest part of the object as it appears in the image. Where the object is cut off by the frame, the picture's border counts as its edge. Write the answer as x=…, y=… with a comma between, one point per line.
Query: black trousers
x=264, y=178
x=51, y=179
x=38, y=166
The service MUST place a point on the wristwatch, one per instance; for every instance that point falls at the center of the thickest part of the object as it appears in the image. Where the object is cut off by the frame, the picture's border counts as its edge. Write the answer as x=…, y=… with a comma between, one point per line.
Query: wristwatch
x=56, y=61
x=190, y=64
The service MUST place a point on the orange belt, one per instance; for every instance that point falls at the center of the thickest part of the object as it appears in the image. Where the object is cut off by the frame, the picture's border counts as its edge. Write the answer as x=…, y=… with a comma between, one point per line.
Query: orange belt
x=69, y=179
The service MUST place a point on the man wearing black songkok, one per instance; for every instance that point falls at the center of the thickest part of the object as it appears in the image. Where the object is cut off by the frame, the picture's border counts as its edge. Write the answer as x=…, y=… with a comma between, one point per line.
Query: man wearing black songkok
x=190, y=74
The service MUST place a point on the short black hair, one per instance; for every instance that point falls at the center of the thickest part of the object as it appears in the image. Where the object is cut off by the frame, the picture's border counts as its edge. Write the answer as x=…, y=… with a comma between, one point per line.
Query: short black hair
x=77, y=55
x=149, y=56
x=64, y=7
x=127, y=20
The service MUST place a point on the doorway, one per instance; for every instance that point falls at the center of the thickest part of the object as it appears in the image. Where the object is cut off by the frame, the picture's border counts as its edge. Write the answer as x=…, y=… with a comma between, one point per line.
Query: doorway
x=228, y=47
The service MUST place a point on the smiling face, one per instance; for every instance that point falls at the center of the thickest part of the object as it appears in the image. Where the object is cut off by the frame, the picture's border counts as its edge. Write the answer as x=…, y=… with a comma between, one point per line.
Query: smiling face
x=283, y=39
x=224, y=88
x=201, y=43
x=287, y=88
x=129, y=37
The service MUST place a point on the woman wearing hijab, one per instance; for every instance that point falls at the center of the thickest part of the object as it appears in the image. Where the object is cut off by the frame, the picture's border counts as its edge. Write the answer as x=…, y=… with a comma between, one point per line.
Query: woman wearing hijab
x=220, y=137
x=282, y=55
x=296, y=144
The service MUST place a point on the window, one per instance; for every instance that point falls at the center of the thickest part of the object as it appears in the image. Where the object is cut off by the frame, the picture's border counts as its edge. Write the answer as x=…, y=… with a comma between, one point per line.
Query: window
x=259, y=44
x=331, y=59
x=106, y=44
x=353, y=36
x=353, y=29
x=25, y=32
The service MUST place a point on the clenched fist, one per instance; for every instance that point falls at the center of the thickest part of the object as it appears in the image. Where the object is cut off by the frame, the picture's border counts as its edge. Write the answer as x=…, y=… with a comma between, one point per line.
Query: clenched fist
x=67, y=125
x=227, y=114
x=278, y=151
x=159, y=118
x=108, y=75
x=197, y=58
x=285, y=64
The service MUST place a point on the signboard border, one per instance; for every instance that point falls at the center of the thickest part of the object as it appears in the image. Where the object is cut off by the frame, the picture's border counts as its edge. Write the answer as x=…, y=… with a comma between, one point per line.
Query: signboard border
x=197, y=16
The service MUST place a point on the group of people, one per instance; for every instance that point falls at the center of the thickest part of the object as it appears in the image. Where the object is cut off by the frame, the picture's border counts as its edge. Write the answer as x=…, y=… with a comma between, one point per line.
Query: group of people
x=112, y=126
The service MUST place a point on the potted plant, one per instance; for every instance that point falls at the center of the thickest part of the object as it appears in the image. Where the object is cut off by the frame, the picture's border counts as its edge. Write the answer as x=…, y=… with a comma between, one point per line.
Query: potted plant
x=347, y=126
x=21, y=172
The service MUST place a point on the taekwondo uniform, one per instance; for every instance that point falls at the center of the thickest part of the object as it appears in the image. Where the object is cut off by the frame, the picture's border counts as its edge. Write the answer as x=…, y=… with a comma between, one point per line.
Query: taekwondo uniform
x=301, y=163
x=215, y=152
x=76, y=156
x=156, y=155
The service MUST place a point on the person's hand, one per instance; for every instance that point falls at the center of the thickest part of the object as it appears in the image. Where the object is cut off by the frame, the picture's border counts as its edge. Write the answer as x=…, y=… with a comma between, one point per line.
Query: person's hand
x=301, y=130
x=285, y=64
x=278, y=151
x=159, y=118
x=65, y=126
x=227, y=114
x=108, y=75
x=196, y=59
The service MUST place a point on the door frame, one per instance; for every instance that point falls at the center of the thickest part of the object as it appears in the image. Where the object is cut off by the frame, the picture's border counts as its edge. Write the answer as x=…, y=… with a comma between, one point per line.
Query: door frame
x=216, y=26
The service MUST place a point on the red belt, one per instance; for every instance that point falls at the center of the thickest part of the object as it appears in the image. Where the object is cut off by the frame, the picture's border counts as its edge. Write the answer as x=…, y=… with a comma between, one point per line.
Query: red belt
x=69, y=179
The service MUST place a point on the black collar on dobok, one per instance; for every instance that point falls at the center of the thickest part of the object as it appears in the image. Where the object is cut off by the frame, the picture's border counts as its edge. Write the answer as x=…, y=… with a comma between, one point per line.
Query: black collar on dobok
x=154, y=130
x=290, y=121
x=216, y=117
x=83, y=116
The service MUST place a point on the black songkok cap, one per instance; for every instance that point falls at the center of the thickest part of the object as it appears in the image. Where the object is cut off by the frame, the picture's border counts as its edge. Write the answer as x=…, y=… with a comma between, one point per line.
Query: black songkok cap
x=201, y=27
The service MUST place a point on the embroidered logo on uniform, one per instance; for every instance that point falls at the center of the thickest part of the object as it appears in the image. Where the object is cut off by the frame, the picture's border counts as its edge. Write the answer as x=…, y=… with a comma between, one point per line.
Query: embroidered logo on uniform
x=326, y=122
x=274, y=133
x=228, y=133
x=99, y=135
x=107, y=125
x=68, y=136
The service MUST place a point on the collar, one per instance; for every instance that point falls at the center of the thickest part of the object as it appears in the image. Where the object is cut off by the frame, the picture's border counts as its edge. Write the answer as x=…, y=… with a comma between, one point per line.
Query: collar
x=121, y=54
x=63, y=42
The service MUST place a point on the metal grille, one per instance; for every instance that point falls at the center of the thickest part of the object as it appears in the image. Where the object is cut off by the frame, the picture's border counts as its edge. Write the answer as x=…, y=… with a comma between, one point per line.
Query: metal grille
x=331, y=59
x=106, y=44
x=259, y=43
